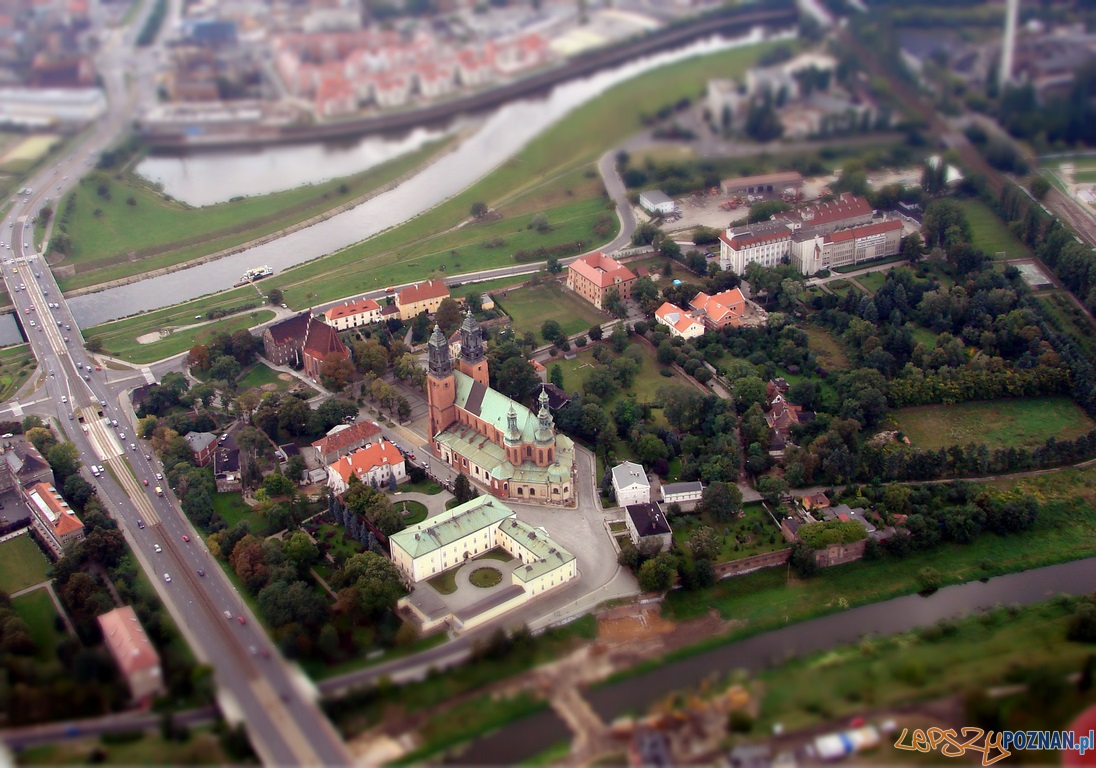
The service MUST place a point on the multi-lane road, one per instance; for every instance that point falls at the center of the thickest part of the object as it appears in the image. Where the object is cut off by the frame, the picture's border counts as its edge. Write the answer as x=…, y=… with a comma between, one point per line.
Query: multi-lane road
x=255, y=686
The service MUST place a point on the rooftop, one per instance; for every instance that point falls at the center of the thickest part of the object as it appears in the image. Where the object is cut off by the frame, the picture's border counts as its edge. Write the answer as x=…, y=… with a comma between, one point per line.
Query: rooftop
x=290, y=330
x=656, y=197
x=351, y=308
x=127, y=641
x=53, y=509
x=343, y=436
x=199, y=441
x=549, y=554
x=629, y=473
x=431, y=289
x=601, y=270
x=672, y=488
x=451, y=525
x=648, y=519
x=366, y=459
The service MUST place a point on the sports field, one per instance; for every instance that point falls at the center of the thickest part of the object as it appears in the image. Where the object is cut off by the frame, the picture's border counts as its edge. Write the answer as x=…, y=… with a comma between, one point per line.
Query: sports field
x=1021, y=422
x=990, y=233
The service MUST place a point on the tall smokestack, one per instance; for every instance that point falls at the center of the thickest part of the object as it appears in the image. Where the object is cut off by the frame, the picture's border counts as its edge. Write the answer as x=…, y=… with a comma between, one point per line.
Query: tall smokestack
x=1012, y=13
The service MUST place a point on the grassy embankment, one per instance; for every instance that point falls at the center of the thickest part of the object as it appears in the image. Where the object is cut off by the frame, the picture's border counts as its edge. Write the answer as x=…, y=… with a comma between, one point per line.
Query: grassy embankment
x=16, y=365
x=124, y=345
x=1023, y=422
x=553, y=172
x=201, y=748
x=22, y=564
x=105, y=229
x=37, y=610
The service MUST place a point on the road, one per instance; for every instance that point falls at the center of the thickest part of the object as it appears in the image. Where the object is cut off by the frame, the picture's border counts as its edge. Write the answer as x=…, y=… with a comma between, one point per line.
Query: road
x=255, y=686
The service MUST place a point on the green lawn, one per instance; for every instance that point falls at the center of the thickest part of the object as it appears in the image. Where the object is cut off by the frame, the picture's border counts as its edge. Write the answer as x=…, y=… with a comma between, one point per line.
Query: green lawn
x=16, y=365
x=826, y=348
x=529, y=308
x=446, y=581
x=22, y=564
x=753, y=534
x=873, y=281
x=551, y=163
x=485, y=577
x=990, y=233
x=976, y=652
x=413, y=511
x=120, y=339
x=428, y=487
x=842, y=287
x=202, y=748
x=37, y=610
x=163, y=232
x=498, y=553
x=232, y=509
x=1021, y=422
x=922, y=335
x=263, y=377
x=647, y=381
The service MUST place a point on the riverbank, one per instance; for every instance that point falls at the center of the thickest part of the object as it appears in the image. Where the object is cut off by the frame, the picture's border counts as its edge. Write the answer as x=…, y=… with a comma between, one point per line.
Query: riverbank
x=149, y=225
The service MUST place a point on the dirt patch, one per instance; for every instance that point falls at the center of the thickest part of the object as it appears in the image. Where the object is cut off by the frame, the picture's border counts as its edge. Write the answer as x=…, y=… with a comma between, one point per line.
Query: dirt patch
x=284, y=377
x=150, y=338
x=625, y=627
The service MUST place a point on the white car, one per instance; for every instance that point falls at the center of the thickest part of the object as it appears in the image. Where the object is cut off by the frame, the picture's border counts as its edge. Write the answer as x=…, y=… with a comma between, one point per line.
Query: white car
x=157, y=547
x=167, y=577
x=159, y=476
x=64, y=398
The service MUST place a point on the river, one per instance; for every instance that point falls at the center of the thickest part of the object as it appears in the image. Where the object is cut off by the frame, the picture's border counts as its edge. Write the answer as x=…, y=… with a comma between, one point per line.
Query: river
x=9, y=331
x=536, y=733
x=501, y=135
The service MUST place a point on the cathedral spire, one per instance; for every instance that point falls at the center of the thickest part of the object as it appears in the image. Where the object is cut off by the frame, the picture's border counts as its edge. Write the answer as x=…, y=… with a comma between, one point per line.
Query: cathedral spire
x=471, y=339
x=439, y=362
x=545, y=429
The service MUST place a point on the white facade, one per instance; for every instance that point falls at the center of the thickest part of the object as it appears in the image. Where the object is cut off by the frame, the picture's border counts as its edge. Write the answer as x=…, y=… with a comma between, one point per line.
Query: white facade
x=353, y=314
x=630, y=484
x=682, y=493
x=656, y=201
x=680, y=322
x=375, y=465
x=739, y=248
x=812, y=252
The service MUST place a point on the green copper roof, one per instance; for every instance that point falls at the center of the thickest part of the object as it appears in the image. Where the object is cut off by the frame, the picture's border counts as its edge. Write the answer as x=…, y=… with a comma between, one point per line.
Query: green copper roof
x=449, y=526
x=550, y=555
x=492, y=407
x=473, y=446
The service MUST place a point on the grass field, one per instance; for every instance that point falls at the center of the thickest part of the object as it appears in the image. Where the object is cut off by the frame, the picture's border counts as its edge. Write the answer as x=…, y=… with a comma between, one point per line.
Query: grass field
x=21, y=157
x=121, y=342
x=37, y=610
x=922, y=335
x=165, y=232
x=231, y=507
x=529, y=308
x=263, y=377
x=646, y=384
x=873, y=281
x=741, y=537
x=16, y=365
x=22, y=564
x=826, y=349
x=975, y=652
x=990, y=233
x=202, y=748
x=413, y=511
x=1025, y=422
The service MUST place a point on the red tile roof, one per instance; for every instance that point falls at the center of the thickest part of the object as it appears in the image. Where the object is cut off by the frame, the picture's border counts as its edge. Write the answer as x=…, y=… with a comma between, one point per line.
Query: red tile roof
x=290, y=330
x=721, y=307
x=675, y=316
x=127, y=641
x=847, y=206
x=756, y=234
x=864, y=231
x=601, y=270
x=60, y=516
x=364, y=459
x=431, y=289
x=337, y=441
x=321, y=340
x=356, y=307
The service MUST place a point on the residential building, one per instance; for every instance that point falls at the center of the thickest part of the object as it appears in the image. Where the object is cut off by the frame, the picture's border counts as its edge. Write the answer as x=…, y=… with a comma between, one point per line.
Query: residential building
x=657, y=202
x=781, y=417
x=681, y=323
x=202, y=445
x=320, y=341
x=646, y=522
x=630, y=484
x=335, y=97
x=776, y=184
x=592, y=276
x=723, y=309
x=813, y=250
x=133, y=652
x=51, y=518
x=846, y=211
x=435, y=80
x=353, y=314
x=21, y=465
x=343, y=439
x=814, y=501
x=496, y=442
x=682, y=493
x=376, y=464
x=450, y=538
x=421, y=297
x=767, y=243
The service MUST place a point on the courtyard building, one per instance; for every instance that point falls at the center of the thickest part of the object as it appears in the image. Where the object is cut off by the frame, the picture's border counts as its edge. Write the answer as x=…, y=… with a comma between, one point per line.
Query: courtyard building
x=630, y=484
x=592, y=277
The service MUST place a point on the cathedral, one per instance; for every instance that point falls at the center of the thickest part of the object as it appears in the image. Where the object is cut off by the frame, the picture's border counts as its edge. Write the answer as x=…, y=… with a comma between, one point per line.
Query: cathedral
x=498, y=443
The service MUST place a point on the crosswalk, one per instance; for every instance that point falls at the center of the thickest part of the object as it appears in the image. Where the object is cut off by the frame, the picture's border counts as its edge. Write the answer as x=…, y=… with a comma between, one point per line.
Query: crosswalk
x=149, y=377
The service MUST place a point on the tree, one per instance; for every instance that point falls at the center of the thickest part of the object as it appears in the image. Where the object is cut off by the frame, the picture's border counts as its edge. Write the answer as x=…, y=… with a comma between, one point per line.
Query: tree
x=595, y=333
x=198, y=357
x=539, y=222
x=407, y=368
x=478, y=210
x=1082, y=625
x=276, y=484
x=292, y=603
x=613, y=304
x=551, y=331
x=657, y=575
x=945, y=224
x=555, y=375
x=294, y=416
x=463, y=490
x=1039, y=187
x=371, y=358
x=371, y=585
x=336, y=371
x=449, y=316
x=913, y=248
x=224, y=368
x=771, y=489
x=275, y=296
x=64, y=460
x=553, y=265
x=722, y=501
x=516, y=378
x=618, y=338
x=705, y=543
x=682, y=406
x=650, y=449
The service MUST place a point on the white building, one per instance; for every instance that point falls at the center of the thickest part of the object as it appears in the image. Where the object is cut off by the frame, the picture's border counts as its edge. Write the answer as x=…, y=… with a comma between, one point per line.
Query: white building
x=374, y=465
x=682, y=493
x=57, y=525
x=657, y=202
x=353, y=314
x=813, y=250
x=680, y=322
x=630, y=484
x=766, y=243
x=35, y=107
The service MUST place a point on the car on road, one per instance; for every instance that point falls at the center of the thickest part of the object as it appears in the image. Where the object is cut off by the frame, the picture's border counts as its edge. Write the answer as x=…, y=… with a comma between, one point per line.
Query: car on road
x=64, y=398
x=253, y=650
x=186, y=538
x=228, y=615
x=201, y=572
x=145, y=482
x=241, y=620
x=140, y=523
x=264, y=652
x=167, y=577
x=159, y=476
x=157, y=548
x=121, y=435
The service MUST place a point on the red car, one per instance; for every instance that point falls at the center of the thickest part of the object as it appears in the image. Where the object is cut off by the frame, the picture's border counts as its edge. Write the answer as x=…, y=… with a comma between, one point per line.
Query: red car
x=186, y=538
x=241, y=619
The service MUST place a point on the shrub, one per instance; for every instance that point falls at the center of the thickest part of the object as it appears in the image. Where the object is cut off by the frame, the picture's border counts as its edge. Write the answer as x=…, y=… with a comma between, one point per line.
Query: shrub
x=929, y=580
